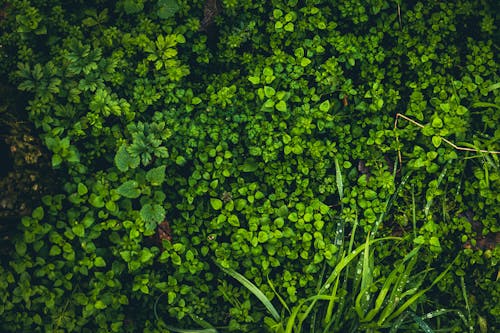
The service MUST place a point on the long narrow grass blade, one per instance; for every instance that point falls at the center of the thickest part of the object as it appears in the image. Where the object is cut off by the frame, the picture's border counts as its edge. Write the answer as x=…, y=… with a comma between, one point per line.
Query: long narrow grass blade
x=485, y=105
x=416, y=296
x=398, y=290
x=398, y=322
x=421, y=323
x=282, y=301
x=310, y=308
x=182, y=330
x=388, y=204
x=381, y=296
x=347, y=260
x=413, y=211
x=339, y=233
x=200, y=321
x=329, y=309
x=464, y=294
x=296, y=310
x=439, y=180
x=442, y=312
x=366, y=278
x=338, y=178
x=254, y=290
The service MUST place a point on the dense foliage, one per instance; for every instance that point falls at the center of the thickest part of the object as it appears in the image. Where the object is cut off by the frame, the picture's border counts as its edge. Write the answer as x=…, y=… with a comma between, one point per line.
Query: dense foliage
x=254, y=135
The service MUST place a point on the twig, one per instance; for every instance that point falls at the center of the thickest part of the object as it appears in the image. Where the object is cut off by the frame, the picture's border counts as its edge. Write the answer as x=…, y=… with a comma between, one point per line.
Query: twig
x=445, y=140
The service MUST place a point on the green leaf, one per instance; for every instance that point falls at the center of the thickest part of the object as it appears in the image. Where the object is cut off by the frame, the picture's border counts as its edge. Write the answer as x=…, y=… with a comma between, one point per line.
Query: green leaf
x=254, y=290
x=78, y=230
x=82, y=189
x=437, y=122
x=216, y=203
x=100, y=305
x=436, y=141
x=254, y=79
x=56, y=160
x=21, y=248
x=167, y=8
x=55, y=250
x=281, y=106
x=156, y=176
x=269, y=91
x=304, y=61
x=154, y=213
x=99, y=262
x=37, y=213
x=129, y=189
x=133, y=6
x=250, y=165
x=124, y=160
x=325, y=106
x=234, y=221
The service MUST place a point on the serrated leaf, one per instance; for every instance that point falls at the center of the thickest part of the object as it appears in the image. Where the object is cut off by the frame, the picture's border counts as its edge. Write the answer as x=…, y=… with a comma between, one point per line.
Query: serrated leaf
x=129, y=189
x=156, y=176
x=152, y=213
x=167, y=8
x=133, y=6
x=124, y=160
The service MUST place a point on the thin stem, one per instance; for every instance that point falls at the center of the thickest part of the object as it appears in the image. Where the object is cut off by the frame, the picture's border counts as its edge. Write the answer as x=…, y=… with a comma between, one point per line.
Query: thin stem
x=444, y=139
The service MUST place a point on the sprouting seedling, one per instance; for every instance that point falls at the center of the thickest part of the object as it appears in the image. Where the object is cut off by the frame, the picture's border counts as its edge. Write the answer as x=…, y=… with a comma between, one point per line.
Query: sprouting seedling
x=443, y=139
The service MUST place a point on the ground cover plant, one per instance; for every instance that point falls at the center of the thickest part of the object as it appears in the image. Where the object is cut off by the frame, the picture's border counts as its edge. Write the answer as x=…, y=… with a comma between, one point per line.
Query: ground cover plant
x=208, y=152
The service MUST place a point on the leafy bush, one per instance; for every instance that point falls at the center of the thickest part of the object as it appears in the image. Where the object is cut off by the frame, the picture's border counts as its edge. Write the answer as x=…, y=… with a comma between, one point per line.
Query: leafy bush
x=255, y=135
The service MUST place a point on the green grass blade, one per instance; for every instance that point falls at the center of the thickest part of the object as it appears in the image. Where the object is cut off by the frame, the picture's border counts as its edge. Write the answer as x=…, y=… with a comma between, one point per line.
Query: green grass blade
x=388, y=204
x=366, y=278
x=485, y=105
x=329, y=309
x=182, y=330
x=416, y=296
x=381, y=296
x=439, y=180
x=442, y=312
x=398, y=290
x=464, y=294
x=296, y=310
x=347, y=260
x=421, y=323
x=254, y=290
x=398, y=322
x=338, y=178
x=282, y=301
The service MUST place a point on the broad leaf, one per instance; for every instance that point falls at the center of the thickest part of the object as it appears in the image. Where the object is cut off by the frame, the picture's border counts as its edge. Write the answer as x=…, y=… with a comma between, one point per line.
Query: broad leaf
x=129, y=189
